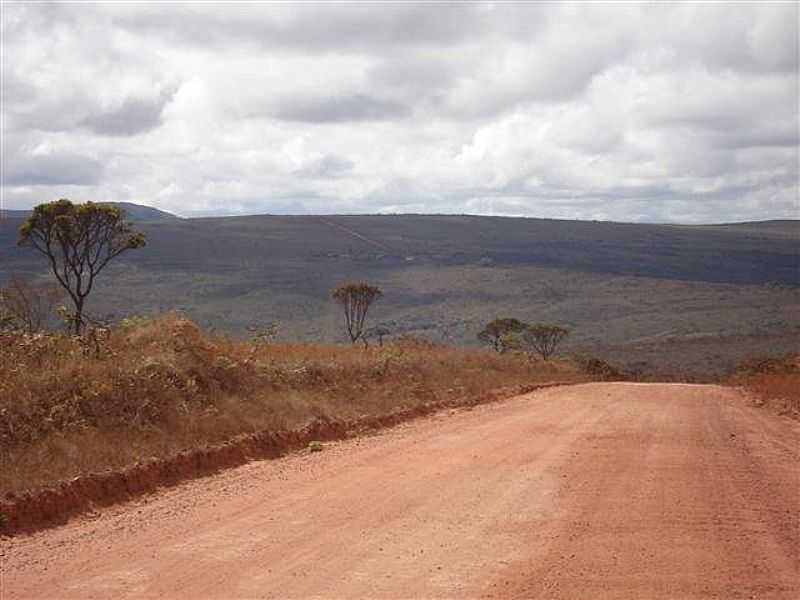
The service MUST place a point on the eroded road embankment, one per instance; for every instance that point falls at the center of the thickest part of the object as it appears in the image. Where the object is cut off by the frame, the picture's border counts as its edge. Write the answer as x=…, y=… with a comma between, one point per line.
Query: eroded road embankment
x=591, y=491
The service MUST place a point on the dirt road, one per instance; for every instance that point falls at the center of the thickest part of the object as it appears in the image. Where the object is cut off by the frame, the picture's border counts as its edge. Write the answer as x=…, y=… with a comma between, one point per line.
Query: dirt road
x=593, y=491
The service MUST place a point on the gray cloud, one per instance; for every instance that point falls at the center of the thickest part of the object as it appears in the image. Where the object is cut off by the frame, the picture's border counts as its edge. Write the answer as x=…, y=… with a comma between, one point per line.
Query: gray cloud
x=327, y=167
x=343, y=109
x=327, y=27
x=648, y=111
x=50, y=170
x=132, y=117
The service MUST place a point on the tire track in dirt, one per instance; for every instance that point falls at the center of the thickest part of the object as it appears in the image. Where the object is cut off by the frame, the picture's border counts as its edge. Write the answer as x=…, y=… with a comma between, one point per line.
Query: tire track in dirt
x=590, y=491
x=685, y=497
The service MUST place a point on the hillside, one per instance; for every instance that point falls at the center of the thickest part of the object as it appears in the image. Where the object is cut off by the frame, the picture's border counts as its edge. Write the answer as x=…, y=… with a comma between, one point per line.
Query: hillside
x=688, y=299
x=136, y=212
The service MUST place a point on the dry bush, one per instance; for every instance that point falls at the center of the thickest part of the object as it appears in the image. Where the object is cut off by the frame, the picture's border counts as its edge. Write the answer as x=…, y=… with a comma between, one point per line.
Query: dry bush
x=28, y=306
x=774, y=381
x=598, y=369
x=163, y=385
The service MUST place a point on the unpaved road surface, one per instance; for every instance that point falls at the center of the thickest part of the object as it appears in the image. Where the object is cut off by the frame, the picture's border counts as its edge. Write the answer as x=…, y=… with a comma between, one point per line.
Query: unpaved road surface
x=593, y=491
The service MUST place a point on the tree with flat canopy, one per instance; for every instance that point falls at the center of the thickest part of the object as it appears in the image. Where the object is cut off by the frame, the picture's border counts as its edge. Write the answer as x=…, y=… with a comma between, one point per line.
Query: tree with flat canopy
x=79, y=240
x=496, y=332
x=355, y=299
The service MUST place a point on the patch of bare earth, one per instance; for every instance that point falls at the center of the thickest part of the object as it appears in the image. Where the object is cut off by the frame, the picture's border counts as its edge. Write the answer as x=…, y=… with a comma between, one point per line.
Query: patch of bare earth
x=590, y=491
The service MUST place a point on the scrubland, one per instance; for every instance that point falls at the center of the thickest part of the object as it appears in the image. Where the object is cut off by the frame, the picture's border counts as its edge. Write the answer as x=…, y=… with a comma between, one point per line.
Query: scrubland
x=774, y=382
x=667, y=301
x=152, y=388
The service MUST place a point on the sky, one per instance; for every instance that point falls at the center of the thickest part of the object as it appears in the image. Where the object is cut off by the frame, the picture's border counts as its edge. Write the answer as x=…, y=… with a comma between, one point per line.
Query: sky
x=649, y=112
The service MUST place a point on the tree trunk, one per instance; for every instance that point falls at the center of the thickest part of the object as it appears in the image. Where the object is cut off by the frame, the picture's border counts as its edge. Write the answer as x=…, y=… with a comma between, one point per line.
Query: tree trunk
x=78, y=316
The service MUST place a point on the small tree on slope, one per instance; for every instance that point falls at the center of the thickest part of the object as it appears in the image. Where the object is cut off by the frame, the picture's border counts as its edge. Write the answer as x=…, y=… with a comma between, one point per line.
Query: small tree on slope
x=78, y=240
x=496, y=332
x=543, y=339
x=355, y=299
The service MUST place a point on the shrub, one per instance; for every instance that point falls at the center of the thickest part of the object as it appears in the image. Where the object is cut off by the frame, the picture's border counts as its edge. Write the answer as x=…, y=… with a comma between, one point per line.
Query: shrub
x=773, y=381
x=163, y=385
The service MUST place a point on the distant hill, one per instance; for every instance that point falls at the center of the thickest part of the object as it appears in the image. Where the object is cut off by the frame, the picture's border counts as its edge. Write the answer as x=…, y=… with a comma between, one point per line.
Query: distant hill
x=785, y=227
x=14, y=214
x=145, y=214
x=136, y=212
x=690, y=298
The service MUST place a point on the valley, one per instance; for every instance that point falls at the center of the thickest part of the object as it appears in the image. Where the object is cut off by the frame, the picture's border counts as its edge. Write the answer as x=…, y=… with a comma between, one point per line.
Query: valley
x=659, y=300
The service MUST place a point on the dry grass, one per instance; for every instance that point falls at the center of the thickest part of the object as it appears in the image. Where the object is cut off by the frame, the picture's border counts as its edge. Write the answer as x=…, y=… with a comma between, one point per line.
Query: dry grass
x=158, y=387
x=774, y=382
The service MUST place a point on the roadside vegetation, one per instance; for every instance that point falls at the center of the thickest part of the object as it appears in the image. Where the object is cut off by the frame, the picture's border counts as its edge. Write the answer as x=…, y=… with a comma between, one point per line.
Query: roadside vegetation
x=774, y=382
x=536, y=339
x=150, y=388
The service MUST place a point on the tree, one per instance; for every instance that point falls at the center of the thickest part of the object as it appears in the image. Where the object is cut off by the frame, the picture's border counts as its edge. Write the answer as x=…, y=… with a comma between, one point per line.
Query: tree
x=264, y=333
x=30, y=306
x=378, y=332
x=543, y=339
x=79, y=240
x=496, y=331
x=7, y=320
x=355, y=299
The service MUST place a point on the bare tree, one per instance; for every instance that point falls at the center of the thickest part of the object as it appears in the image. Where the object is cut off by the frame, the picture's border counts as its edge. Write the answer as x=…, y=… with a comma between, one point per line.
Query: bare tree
x=79, y=240
x=378, y=332
x=30, y=305
x=7, y=320
x=543, y=339
x=355, y=299
x=496, y=332
x=264, y=333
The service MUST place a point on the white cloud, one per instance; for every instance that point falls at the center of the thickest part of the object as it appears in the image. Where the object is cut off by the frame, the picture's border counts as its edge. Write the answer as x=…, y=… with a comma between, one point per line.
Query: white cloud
x=665, y=112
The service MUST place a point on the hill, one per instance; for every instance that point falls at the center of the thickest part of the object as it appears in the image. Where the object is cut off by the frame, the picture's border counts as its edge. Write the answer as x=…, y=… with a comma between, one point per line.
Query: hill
x=14, y=214
x=136, y=212
x=659, y=298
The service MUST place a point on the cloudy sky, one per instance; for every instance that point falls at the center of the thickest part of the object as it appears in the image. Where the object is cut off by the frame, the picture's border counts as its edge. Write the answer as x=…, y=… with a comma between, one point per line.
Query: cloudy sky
x=649, y=112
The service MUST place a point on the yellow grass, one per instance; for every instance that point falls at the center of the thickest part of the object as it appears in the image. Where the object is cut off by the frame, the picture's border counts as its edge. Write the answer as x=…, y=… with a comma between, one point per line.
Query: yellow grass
x=158, y=387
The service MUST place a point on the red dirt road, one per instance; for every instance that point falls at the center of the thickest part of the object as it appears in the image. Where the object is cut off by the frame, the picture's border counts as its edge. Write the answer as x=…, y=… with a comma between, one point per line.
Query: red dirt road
x=592, y=491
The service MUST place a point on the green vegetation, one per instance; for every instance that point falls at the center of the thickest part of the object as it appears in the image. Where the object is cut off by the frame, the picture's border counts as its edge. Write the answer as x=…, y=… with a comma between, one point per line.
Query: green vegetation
x=513, y=334
x=78, y=241
x=497, y=333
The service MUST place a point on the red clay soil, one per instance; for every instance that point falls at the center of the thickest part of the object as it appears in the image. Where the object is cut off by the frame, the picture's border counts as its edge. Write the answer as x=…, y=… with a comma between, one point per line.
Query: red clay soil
x=55, y=505
x=593, y=491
